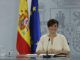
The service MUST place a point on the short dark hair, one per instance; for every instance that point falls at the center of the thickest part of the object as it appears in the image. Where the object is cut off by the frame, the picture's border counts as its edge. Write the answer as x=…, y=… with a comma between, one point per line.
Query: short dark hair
x=52, y=22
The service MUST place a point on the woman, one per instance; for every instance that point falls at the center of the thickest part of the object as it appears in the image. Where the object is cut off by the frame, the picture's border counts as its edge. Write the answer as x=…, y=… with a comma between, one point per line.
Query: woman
x=57, y=43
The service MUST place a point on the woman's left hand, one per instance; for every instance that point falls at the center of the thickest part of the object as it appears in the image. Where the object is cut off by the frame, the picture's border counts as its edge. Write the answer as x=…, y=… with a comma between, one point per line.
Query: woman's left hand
x=52, y=51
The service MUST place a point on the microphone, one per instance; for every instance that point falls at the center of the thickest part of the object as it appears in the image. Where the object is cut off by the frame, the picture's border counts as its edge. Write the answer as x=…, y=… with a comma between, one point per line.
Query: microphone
x=47, y=56
x=47, y=46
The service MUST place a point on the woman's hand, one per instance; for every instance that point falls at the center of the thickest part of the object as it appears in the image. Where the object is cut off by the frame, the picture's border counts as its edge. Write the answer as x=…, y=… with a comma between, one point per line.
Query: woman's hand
x=65, y=52
x=52, y=51
x=41, y=52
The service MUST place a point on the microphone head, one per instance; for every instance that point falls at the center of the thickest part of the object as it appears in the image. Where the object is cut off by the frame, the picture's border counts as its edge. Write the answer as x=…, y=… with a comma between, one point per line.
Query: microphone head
x=49, y=39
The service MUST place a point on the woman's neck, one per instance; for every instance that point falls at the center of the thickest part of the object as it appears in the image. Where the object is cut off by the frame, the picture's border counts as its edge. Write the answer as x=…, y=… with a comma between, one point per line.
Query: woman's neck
x=52, y=34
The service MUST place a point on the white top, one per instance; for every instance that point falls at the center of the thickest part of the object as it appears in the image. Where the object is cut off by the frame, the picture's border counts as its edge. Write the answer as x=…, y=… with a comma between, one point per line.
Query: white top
x=59, y=43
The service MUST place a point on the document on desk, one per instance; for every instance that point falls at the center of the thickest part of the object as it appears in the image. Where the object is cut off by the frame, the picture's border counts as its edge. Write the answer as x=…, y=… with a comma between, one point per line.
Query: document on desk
x=31, y=55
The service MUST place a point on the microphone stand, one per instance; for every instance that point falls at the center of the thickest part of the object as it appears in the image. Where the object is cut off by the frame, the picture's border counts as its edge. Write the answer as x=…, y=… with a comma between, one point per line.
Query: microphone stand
x=47, y=56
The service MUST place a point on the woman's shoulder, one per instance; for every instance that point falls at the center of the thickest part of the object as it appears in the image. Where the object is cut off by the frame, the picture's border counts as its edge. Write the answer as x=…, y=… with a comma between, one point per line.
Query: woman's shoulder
x=45, y=35
x=60, y=35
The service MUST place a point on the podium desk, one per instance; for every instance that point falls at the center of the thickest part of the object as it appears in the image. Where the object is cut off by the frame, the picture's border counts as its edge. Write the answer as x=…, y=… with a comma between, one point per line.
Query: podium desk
x=35, y=57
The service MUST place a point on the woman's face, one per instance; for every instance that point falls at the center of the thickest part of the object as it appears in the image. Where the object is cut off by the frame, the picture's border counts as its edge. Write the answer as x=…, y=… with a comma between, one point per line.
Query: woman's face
x=53, y=28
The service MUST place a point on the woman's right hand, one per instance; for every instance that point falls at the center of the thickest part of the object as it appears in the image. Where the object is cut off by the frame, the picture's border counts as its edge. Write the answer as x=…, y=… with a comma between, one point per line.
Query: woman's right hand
x=52, y=51
x=41, y=52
